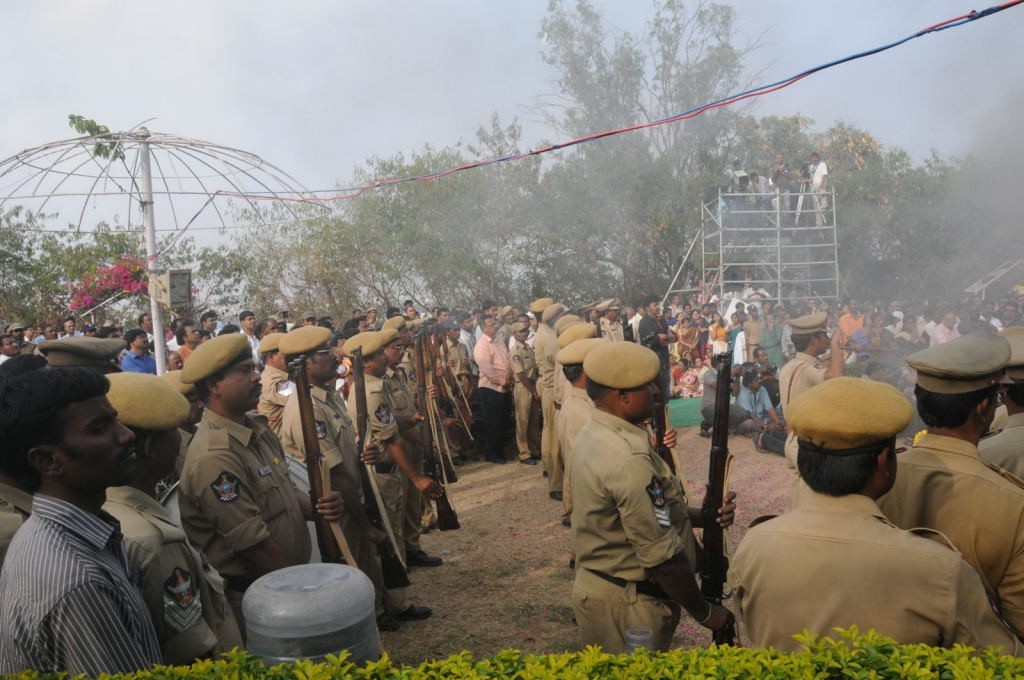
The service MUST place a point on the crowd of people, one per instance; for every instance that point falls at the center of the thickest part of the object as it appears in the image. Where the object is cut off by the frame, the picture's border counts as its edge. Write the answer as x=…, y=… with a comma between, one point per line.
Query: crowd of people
x=98, y=577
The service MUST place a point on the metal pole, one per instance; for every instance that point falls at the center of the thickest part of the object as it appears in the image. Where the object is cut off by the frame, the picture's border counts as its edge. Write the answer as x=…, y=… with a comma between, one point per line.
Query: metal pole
x=149, y=226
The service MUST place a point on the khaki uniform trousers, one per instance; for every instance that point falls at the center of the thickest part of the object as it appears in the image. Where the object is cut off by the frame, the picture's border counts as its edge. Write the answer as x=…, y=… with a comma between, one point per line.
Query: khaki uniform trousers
x=556, y=468
x=392, y=487
x=605, y=611
x=528, y=433
x=414, y=500
x=365, y=553
x=549, y=435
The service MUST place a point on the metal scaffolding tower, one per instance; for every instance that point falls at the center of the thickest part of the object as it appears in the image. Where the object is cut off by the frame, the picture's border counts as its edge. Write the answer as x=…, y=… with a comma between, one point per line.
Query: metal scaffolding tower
x=770, y=246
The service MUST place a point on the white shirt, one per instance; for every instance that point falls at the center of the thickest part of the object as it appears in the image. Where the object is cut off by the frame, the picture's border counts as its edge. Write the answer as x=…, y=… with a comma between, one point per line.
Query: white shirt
x=819, y=174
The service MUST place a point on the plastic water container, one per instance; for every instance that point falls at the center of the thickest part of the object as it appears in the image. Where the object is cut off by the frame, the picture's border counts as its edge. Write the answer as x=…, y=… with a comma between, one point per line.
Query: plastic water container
x=310, y=611
x=638, y=637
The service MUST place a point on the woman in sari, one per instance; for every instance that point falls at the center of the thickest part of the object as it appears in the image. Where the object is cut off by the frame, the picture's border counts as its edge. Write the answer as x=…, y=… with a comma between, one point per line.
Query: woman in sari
x=771, y=341
x=719, y=335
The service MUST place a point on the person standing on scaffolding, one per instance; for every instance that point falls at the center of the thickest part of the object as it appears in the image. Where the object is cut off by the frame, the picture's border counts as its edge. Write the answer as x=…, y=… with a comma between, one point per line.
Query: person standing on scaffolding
x=818, y=172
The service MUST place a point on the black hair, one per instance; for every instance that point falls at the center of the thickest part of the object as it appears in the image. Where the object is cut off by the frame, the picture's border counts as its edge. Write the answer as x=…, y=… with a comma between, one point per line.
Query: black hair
x=180, y=334
x=650, y=299
x=229, y=328
x=133, y=333
x=749, y=377
x=949, y=410
x=594, y=390
x=487, y=304
x=800, y=342
x=1014, y=391
x=21, y=363
x=393, y=311
x=246, y=314
x=208, y=314
x=143, y=316
x=32, y=410
x=572, y=372
x=839, y=475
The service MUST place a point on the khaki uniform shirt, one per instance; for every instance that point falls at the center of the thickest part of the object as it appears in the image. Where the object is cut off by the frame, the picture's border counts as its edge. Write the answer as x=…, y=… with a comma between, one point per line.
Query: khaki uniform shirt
x=612, y=330
x=504, y=334
x=407, y=372
x=458, y=358
x=334, y=429
x=546, y=365
x=1006, y=449
x=629, y=511
x=15, y=508
x=798, y=375
x=183, y=593
x=524, y=360
x=382, y=423
x=837, y=562
x=274, y=392
x=943, y=485
x=575, y=413
x=753, y=330
x=400, y=389
x=236, y=493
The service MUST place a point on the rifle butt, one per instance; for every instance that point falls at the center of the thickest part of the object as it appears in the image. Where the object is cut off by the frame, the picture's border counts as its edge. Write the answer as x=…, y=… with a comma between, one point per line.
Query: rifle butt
x=393, y=572
x=447, y=519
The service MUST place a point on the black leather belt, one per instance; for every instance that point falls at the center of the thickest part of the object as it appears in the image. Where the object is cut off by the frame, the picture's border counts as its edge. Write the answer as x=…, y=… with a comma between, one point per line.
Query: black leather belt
x=385, y=468
x=239, y=583
x=649, y=588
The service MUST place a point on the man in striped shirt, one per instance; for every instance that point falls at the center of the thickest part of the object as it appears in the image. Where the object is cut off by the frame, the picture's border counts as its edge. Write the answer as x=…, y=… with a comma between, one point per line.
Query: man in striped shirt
x=67, y=601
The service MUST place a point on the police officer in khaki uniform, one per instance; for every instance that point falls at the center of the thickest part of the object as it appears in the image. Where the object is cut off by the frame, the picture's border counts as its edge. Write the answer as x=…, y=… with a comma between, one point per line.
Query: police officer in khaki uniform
x=237, y=501
x=942, y=483
x=567, y=336
x=507, y=317
x=1006, y=449
x=576, y=408
x=811, y=339
x=183, y=593
x=187, y=429
x=631, y=528
x=556, y=461
x=836, y=561
x=337, y=437
x=275, y=385
x=97, y=354
x=526, y=396
x=549, y=312
x=611, y=327
x=395, y=469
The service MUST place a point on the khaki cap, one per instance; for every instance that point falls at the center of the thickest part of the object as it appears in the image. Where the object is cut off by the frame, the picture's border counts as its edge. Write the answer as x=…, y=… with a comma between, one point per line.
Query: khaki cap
x=809, y=324
x=370, y=342
x=579, y=331
x=604, y=305
x=173, y=378
x=966, y=364
x=308, y=315
x=395, y=322
x=552, y=311
x=520, y=326
x=268, y=343
x=539, y=305
x=848, y=413
x=83, y=352
x=1015, y=336
x=507, y=309
x=213, y=356
x=371, y=309
x=146, y=402
x=566, y=321
x=621, y=365
x=576, y=352
x=304, y=339
x=16, y=326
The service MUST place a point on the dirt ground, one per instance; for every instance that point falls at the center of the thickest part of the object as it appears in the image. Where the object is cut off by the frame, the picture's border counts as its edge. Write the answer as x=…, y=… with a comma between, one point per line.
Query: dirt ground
x=506, y=583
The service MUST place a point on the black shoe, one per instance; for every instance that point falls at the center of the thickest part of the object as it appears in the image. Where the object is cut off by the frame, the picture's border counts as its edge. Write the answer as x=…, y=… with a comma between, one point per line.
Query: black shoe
x=572, y=562
x=566, y=521
x=555, y=495
x=528, y=461
x=389, y=623
x=496, y=460
x=705, y=433
x=545, y=473
x=420, y=558
x=414, y=613
x=459, y=461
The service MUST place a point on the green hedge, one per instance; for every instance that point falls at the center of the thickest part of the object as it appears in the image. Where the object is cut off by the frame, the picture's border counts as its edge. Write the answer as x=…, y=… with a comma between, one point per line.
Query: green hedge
x=852, y=656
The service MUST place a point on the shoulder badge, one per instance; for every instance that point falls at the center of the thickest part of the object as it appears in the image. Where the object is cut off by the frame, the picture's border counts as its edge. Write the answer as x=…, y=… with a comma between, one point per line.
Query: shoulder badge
x=182, y=606
x=383, y=415
x=656, y=492
x=227, y=487
x=321, y=429
x=411, y=375
x=286, y=388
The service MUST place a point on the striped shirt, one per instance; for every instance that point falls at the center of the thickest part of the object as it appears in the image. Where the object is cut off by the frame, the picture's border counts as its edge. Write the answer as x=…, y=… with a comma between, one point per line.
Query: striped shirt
x=66, y=600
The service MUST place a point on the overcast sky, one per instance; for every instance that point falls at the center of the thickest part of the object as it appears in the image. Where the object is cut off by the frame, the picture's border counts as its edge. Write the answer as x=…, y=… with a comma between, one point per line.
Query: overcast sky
x=316, y=87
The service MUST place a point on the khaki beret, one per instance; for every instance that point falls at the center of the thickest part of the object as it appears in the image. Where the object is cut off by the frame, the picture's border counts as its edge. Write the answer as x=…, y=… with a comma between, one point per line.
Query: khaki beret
x=809, y=324
x=848, y=413
x=370, y=342
x=621, y=365
x=507, y=309
x=213, y=356
x=82, y=352
x=552, y=311
x=966, y=364
x=395, y=322
x=173, y=378
x=579, y=331
x=575, y=352
x=565, y=322
x=146, y=402
x=305, y=339
x=1015, y=336
x=16, y=326
x=268, y=343
x=308, y=315
x=604, y=305
x=520, y=326
x=539, y=305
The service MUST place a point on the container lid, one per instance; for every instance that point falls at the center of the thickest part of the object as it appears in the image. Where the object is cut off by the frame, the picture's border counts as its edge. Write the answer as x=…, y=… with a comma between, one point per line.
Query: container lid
x=309, y=599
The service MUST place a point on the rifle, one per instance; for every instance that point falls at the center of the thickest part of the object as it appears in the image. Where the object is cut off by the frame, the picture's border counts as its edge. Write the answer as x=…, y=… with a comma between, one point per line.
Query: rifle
x=432, y=457
x=331, y=544
x=391, y=562
x=660, y=419
x=460, y=405
x=715, y=562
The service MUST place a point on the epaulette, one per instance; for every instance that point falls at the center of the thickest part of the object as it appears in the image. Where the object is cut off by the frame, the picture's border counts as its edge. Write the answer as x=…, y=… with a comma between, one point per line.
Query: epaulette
x=934, y=535
x=760, y=520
